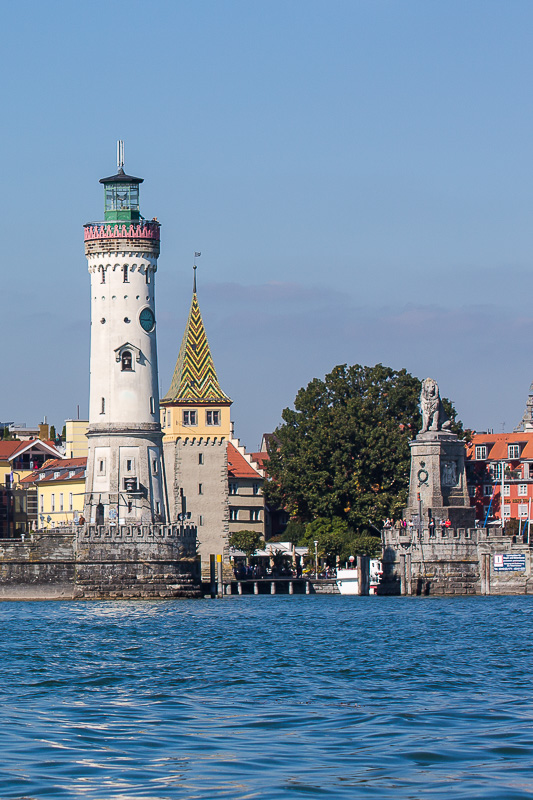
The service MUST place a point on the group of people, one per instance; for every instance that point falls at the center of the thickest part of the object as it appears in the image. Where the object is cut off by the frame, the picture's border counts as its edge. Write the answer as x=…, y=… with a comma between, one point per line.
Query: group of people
x=244, y=571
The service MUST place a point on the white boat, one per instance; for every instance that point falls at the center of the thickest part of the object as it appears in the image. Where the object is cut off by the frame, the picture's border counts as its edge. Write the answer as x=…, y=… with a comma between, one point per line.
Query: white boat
x=348, y=580
x=375, y=575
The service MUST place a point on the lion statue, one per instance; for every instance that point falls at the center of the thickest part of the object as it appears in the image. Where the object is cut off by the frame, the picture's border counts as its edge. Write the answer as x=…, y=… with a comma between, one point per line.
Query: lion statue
x=433, y=417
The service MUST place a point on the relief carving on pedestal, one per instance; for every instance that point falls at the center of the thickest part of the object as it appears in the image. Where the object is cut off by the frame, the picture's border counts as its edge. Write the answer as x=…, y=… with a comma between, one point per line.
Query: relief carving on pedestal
x=449, y=473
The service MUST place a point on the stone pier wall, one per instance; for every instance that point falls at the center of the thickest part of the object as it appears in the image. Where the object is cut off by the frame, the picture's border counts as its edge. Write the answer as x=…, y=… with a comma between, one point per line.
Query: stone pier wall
x=41, y=567
x=458, y=561
x=99, y=562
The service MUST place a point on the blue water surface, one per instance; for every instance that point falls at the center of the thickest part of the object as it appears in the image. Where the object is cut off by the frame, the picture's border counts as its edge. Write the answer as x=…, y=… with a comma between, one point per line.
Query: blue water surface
x=267, y=697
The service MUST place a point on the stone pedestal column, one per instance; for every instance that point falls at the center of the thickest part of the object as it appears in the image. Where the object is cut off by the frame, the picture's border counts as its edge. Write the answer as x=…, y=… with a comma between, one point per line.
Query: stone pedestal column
x=438, y=478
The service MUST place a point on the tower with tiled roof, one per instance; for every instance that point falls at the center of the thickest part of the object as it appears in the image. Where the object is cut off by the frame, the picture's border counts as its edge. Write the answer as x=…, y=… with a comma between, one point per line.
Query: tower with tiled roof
x=124, y=467
x=195, y=418
x=195, y=404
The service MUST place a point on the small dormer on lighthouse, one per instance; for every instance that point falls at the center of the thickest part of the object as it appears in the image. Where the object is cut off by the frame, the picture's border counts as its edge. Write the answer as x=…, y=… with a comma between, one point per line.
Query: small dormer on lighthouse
x=124, y=469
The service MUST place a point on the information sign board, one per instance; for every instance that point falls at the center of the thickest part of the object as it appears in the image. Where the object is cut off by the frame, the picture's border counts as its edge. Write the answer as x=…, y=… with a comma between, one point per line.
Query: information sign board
x=509, y=562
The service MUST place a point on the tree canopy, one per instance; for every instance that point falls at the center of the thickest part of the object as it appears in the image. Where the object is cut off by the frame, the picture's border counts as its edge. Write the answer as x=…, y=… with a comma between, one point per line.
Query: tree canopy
x=246, y=541
x=343, y=451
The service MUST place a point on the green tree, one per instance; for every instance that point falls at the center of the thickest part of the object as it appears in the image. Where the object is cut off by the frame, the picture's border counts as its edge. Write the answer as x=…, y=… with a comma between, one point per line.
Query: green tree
x=332, y=536
x=343, y=451
x=246, y=541
x=293, y=533
x=366, y=546
x=52, y=433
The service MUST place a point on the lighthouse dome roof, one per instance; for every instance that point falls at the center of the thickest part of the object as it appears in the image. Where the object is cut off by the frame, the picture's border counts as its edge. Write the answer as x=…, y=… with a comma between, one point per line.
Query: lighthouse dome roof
x=121, y=177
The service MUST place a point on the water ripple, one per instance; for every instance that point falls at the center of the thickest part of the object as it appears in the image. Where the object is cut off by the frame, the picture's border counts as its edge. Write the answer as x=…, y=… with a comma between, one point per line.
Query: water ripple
x=260, y=697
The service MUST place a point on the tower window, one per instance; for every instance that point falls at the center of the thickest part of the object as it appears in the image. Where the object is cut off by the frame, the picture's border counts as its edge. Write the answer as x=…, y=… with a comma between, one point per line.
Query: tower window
x=101, y=466
x=147, y=275
x=164, y=418
x=154, y=467
x=127, y=361
x=102, y=274
x=130, y=506
x=152, y=406
x=125, y=278
x=200, y=489
x=189, y=418
x=158, y=507
x=212, y=417
x=200, y=520
x=200, y=458
x=102, y=407
x=129, y=464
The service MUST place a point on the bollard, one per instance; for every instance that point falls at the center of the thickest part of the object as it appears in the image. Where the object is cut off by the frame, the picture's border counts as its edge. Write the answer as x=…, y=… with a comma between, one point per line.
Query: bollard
x=307, y=588
x=220, y=585
x=212, y=576
x=239, y=588
x=291, y=587
x=272, y=588
x=228, y=588
x=256, y=587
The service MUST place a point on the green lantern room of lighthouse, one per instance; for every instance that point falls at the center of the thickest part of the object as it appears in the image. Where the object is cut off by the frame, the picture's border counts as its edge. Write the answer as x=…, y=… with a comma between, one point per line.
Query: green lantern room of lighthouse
x=121, y=193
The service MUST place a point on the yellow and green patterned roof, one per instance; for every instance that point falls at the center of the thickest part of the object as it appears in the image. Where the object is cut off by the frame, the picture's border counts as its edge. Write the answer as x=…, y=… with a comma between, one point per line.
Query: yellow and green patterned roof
x=195, y=378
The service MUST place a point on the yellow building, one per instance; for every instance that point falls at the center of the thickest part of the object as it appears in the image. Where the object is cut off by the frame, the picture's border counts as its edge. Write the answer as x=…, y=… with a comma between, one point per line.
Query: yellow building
x=76, y=438
x=60, y=487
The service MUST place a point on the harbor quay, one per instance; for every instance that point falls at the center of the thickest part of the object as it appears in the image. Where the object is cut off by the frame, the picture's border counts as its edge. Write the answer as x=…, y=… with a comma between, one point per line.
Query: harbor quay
x=455, y=561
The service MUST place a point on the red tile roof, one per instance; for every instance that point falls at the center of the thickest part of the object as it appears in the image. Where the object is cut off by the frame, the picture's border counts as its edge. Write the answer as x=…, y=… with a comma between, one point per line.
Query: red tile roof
x=496, y=444
x=238, y=466
x=62, y=465
x=260, y=459
x=9, y=449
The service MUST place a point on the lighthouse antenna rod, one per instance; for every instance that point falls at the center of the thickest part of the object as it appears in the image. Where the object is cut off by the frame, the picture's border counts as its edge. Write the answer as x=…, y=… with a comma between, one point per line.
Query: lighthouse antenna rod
x=120, y=154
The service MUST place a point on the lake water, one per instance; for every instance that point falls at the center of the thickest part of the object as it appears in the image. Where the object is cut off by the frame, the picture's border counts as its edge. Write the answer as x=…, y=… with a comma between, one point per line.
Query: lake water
x=268, y=697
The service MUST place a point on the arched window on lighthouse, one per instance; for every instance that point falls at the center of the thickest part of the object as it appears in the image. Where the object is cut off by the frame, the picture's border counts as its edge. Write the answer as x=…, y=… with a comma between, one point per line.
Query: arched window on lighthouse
x=127, y=362
x=125, y=278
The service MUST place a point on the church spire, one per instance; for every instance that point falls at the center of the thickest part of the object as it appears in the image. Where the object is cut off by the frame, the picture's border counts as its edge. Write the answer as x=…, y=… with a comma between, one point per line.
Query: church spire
x=195, y=379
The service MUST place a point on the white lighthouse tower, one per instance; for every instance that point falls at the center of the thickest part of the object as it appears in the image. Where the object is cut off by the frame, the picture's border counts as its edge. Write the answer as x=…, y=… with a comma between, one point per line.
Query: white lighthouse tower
x=125, y=482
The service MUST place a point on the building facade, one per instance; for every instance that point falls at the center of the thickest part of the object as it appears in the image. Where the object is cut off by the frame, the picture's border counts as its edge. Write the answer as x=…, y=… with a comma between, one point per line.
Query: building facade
x=500, y=465
x=60, y=486
x=245, y=492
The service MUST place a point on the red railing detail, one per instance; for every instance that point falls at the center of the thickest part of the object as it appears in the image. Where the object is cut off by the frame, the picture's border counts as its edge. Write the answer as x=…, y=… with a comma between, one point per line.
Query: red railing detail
x=117, y=230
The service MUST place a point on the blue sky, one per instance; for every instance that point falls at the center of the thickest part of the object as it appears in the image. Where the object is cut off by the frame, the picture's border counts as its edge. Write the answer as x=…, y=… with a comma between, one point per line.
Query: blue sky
x=357, y=175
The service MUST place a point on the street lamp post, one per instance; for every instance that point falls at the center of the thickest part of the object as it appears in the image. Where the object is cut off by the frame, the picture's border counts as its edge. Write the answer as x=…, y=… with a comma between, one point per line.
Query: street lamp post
x=316, y=559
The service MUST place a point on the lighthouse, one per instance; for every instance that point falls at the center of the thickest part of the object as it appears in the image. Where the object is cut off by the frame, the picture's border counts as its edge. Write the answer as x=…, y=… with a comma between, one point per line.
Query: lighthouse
x=125, y=480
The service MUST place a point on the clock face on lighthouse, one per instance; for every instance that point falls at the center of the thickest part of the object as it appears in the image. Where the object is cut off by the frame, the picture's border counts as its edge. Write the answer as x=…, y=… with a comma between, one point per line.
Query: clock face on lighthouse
x=147, y=319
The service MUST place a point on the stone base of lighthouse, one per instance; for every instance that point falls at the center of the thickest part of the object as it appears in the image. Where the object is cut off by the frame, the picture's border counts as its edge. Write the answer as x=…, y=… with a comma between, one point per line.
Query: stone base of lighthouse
x=136, y=562
x=126, y=474
x=91, y=562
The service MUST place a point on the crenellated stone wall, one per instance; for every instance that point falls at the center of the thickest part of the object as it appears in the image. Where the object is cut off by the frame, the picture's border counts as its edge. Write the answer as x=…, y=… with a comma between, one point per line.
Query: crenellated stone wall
x=453, y=561
x=102, y=562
